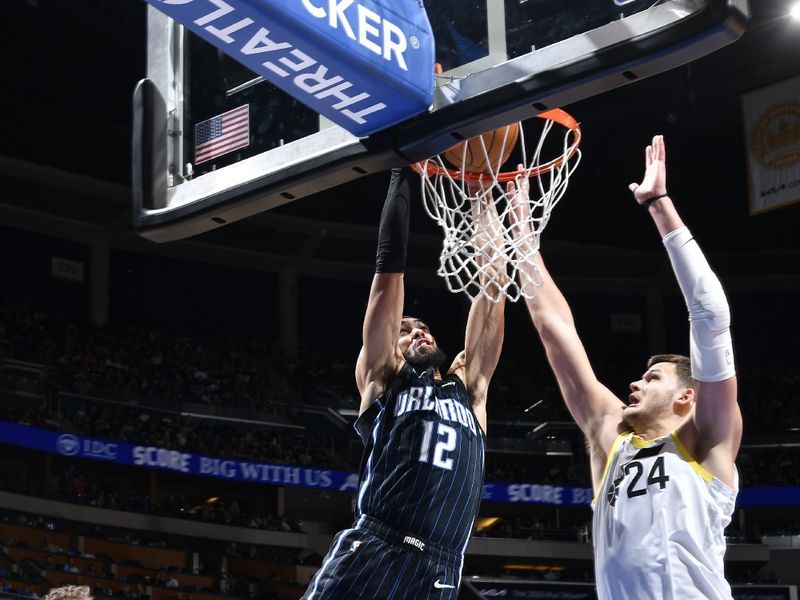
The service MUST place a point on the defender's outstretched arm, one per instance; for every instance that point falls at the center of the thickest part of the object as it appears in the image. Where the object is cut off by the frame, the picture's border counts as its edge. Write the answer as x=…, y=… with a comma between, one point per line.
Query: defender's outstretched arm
x=595, y=409
x=717, y=418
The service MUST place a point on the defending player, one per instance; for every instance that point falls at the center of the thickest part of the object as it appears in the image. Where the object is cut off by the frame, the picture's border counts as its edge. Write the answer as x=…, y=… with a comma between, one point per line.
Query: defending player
x=662, y=462
x=422, y=474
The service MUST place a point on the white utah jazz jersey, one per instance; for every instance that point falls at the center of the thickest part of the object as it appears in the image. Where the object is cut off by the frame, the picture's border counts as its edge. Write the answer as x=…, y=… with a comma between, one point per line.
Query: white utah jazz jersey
x=659, y=521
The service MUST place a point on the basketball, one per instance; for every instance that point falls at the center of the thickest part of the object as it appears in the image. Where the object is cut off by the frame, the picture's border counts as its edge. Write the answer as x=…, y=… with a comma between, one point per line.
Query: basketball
x=478, y=156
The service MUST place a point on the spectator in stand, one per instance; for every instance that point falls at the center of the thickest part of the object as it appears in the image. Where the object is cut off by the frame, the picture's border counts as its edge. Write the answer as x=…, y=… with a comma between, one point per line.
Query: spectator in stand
x=71, y=567
x=50, y=546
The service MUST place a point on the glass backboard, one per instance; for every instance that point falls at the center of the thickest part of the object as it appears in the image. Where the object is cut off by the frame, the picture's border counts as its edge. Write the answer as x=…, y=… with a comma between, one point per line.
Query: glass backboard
x=501, y=61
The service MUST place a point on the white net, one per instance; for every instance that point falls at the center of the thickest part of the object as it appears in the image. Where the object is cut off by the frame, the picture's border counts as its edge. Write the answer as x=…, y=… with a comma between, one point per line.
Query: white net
x=492, y=230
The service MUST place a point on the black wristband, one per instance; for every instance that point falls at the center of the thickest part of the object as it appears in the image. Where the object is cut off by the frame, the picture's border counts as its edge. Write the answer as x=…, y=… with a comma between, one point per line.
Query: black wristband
x=393, y=230
x=649, y=201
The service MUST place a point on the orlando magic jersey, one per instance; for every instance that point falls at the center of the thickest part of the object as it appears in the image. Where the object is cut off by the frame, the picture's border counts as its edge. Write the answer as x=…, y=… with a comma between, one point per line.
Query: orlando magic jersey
x=659, y=521
x=423, y=463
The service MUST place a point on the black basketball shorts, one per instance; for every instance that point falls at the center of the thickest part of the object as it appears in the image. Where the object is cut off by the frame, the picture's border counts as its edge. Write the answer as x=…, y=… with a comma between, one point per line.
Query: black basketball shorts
x=371, y=561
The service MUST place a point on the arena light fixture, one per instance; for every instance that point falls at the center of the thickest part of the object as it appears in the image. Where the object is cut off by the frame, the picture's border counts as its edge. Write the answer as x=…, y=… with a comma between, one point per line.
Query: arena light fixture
x=519, y=567
x=485, y=522
x=795, y=11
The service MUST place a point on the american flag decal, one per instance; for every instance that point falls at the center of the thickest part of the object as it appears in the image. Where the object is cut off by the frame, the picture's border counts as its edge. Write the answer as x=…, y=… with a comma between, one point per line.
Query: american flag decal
x=222, y=134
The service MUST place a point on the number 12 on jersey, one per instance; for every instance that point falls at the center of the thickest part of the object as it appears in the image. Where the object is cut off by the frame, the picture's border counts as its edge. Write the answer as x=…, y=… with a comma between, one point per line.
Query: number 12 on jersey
x=445, y=442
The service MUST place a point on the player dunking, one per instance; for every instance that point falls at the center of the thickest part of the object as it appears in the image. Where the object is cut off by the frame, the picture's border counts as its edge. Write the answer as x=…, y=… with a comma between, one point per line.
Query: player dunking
x=422, y=474
x=662, y=462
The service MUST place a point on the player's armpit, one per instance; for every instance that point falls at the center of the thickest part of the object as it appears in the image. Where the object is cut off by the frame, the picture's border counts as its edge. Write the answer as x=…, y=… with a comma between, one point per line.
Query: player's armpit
x=458, y=364
x=715, y=431
x=477, y=396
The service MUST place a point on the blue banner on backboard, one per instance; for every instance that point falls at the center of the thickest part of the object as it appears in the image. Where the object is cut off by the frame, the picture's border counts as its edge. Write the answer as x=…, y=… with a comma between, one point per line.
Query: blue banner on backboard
x=363, y=64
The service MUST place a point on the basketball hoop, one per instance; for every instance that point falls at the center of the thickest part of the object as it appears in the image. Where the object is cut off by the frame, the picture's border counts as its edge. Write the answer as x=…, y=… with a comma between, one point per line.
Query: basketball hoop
x=482, y=229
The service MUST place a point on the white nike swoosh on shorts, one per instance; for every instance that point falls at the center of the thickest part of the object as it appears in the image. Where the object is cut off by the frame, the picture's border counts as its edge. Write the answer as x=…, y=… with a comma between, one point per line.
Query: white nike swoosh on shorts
x=440, y=586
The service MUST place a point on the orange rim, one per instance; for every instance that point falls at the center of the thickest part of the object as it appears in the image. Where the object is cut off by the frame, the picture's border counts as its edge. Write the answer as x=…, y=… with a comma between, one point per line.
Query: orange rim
x=429, y=167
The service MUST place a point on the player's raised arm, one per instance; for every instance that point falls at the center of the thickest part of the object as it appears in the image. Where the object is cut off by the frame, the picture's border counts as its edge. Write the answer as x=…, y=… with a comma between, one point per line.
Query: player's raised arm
x=485, y=324
x=595, y=409
x=716, y=428
x=378, y=359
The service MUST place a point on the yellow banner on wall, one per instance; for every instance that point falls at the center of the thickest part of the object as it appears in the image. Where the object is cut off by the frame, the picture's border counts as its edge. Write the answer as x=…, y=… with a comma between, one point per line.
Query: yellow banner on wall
x=772, y=141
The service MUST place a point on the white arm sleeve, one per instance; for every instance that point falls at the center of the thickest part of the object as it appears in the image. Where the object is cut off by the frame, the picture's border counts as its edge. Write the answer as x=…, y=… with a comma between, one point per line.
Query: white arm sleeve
x=711, y=348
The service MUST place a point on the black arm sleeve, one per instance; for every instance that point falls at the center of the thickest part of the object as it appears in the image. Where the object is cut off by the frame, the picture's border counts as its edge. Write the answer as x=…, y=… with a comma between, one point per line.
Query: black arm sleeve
x=393, y=230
